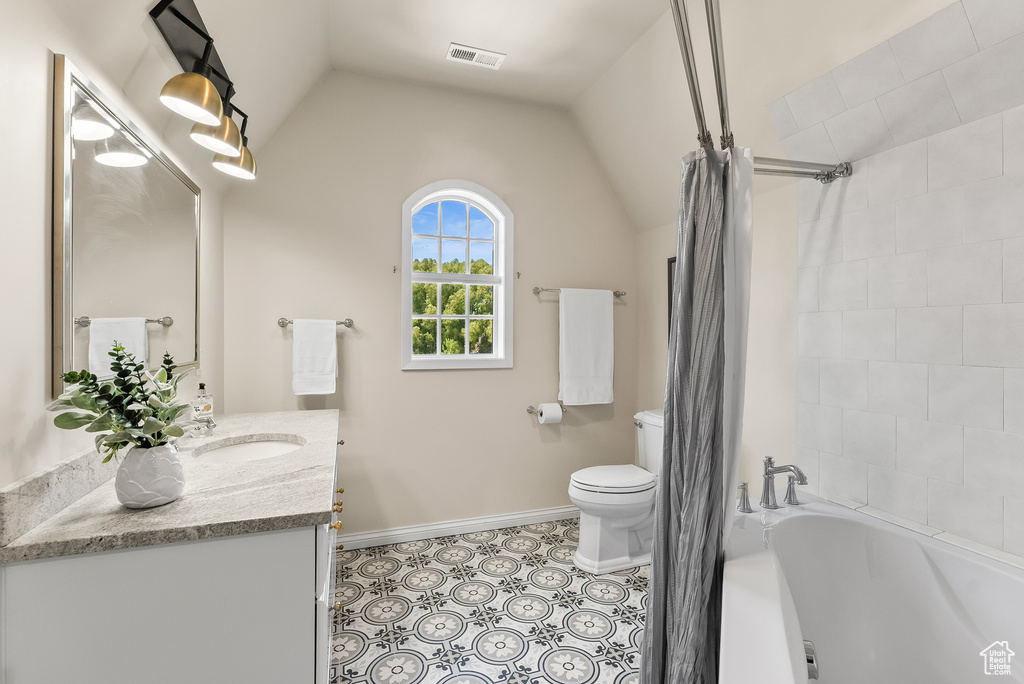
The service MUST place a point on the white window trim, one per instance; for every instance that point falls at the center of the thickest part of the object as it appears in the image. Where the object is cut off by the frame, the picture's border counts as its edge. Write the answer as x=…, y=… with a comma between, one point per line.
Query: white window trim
x=503, y=270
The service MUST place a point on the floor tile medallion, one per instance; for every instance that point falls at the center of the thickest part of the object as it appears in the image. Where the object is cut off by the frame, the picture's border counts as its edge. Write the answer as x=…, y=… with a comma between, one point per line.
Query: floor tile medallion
x=495, y=607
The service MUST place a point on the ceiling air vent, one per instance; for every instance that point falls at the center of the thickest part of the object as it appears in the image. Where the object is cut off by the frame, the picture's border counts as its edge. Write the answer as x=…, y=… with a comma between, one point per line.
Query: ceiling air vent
x=472, y=55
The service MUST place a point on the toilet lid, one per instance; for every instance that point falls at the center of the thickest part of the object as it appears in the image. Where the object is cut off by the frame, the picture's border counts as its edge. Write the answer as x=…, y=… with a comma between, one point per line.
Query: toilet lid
x=620, y=479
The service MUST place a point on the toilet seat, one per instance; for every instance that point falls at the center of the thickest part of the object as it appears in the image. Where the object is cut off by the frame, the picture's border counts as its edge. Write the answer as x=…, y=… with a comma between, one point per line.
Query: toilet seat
x=614, y=479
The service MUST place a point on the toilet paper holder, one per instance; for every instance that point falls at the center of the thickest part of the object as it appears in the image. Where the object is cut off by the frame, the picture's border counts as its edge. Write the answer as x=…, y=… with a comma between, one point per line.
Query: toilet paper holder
x=533, y=410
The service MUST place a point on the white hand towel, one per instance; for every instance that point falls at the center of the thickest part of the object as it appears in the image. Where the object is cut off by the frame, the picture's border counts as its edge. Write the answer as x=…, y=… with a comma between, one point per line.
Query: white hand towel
x=130, y=333
x=586, y=347
x=314, y=356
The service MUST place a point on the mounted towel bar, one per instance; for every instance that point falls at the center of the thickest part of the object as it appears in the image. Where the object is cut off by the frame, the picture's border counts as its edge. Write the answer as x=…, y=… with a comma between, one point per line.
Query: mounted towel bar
x=285, y=322
x=538, y=290
x=166, y=321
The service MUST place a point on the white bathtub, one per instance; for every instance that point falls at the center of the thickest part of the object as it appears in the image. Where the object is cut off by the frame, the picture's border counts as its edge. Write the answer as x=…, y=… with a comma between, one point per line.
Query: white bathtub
x=882, y=604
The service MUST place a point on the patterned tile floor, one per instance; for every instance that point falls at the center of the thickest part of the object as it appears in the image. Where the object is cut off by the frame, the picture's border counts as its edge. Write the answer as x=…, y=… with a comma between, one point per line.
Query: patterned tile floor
x=496, y=607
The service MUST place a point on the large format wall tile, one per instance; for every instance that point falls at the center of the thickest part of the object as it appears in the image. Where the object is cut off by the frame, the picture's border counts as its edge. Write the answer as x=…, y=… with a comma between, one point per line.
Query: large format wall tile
x=843, y=383
x=992, y=462
x=919, y=109
x=1013, y=400
x=989, y=82
x=969, y=513
x=859, y=132
x=869, y=75
x=820, y=334
x=901, y=172
x=869, y=233
x=807, y=379
x=993, y=209
x=930, y=449
x=844, y=286
x=819, y=427
x=940, y=40
x=898, y=281
x=898, y=493
x=966, y=154
x=965, y=395
x=843, y=477
x=993, y=21
x=930, y=334
x=869, y=335
x=869, y=437
x=968, y=274
x=818, y=100
x=1013, y=270
x=994, y=335
x=900, y=389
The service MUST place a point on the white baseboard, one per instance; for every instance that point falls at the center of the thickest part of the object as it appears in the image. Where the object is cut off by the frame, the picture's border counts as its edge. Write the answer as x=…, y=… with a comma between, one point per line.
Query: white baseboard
x=395, y=535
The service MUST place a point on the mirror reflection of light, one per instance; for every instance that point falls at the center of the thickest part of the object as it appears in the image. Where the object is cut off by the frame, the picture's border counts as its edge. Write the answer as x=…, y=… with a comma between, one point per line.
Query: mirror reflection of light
x=119, y=152
x=87, y=124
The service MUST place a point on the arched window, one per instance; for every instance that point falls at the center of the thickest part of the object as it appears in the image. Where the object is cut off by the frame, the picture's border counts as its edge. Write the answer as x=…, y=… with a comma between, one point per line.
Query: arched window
x=457, y=259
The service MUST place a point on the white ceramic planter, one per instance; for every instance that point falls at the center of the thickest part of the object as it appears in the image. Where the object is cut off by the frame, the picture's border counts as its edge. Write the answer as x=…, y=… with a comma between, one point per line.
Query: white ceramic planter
x=149, y=477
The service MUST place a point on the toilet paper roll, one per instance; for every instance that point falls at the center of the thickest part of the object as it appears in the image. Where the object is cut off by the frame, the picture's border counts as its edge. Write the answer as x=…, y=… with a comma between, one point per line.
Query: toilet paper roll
x=549, y=413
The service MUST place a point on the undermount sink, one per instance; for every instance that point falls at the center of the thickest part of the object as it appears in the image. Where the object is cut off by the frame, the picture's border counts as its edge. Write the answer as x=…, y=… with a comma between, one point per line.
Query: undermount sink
x=248, y=448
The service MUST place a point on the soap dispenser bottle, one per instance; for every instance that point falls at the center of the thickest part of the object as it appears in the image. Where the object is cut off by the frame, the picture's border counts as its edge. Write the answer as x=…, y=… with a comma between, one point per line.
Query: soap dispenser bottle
x=202, y=404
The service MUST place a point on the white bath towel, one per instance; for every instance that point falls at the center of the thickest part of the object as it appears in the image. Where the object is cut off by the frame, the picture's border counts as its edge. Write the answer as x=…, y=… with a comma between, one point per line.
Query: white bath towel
x=130, y=333
x=314, y=356
x=586, y=347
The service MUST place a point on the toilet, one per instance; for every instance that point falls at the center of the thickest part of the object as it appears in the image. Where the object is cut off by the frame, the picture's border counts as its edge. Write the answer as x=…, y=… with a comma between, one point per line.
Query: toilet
x=616, y=504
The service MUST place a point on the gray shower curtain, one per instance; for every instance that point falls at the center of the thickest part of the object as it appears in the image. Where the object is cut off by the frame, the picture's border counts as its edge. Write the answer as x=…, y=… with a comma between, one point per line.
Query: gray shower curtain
x=703, y=418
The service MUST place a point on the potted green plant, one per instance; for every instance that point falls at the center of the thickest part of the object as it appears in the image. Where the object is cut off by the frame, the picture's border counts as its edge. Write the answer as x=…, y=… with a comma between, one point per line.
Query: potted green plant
x=135, y=409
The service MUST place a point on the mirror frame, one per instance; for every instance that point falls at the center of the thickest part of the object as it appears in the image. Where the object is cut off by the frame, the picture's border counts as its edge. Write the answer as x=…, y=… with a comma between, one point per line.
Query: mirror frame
x=65, y=77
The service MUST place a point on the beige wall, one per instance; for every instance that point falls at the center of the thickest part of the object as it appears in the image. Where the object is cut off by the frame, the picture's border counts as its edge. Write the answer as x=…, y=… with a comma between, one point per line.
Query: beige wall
x=29, y=35
x=769, y=422
x=318, y=235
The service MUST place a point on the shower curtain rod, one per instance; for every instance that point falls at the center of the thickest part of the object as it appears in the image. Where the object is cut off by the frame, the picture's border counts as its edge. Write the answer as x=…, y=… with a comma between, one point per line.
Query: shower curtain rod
x=825, y=173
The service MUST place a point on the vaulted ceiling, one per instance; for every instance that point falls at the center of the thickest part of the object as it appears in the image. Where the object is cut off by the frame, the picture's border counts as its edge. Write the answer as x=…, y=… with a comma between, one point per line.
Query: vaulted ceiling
x=613, y=63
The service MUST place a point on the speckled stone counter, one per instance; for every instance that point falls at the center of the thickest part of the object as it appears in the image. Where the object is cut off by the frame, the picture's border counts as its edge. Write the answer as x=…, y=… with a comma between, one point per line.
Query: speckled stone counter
x=220, y=499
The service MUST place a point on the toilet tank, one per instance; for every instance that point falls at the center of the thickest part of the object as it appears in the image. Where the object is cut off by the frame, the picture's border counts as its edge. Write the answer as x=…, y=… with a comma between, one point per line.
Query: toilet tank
x=649, y=433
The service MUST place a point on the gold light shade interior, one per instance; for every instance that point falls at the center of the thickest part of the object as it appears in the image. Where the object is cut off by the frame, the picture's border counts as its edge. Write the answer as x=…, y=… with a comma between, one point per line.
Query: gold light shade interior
x=222, y=139
x=194, y=97
x=242, y=166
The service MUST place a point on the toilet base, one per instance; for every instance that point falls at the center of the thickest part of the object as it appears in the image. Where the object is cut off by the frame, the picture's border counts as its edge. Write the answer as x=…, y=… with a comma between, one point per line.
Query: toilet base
x=610, y=564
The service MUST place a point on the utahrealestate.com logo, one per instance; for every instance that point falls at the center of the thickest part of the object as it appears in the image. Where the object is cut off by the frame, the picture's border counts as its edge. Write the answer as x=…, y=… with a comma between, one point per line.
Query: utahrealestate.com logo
x=997, y=658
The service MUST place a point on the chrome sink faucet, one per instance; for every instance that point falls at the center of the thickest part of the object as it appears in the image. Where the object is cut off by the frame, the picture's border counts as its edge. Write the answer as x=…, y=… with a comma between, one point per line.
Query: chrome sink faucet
x=206, y=423
x=768, y=493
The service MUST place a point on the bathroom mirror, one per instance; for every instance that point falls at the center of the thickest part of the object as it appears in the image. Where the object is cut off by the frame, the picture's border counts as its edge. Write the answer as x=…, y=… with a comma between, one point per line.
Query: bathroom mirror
x=125, y=231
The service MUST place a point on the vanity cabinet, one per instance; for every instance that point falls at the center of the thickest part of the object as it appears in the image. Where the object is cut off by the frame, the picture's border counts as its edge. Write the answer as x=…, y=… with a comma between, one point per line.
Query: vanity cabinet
x=246, y=608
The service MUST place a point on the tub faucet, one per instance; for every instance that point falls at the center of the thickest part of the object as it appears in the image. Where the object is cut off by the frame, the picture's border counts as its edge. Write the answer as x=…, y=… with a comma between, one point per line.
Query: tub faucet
x=768, y=493
x=206, y=423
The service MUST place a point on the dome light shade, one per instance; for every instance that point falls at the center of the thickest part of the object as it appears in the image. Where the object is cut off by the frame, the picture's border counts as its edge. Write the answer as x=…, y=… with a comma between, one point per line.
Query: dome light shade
x=223, y=139
x=193, y=96
x=242, y=166
x=119, y=152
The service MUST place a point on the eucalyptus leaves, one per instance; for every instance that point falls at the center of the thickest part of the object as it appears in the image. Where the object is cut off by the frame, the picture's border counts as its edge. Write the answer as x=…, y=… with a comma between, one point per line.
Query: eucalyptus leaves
x=134, y=408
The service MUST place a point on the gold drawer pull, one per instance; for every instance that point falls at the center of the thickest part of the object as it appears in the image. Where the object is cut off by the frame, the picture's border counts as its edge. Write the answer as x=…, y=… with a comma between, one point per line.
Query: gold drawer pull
x=341, y=491
x=336, y=526
x=340, y=547
x=336, y=606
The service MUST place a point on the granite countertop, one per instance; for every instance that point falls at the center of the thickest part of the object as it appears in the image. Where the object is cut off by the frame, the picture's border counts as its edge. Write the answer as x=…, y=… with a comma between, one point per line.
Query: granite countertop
x=220, y=499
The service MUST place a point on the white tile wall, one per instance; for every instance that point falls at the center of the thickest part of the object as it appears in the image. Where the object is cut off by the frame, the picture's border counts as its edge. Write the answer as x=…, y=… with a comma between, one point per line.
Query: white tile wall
x=843, y=383
x=898, y=281
x=993, y=209
x=919, y=109
x=869, y=437
x=807, y=379
x=968, y=274
x=869, y=233
x=940, y=40
x=898, y=173
x=965, y=154
x=782, y=118
x=818, y=100
x=992, y=462
x=807, y=289
x=1013, y=270
x=1013, y=526
x=807, y=461
x=932, y=220
x=898, y=388
x=820, y=334
x=844, y=286
x=988, y=82
x=903, y=494
x=929, y=449
x=930, y=334
x=966, y=395
x=994, y=21
x=843, y=477
x=869, y=335
x=869, y=75
x=860, y=132
x=914, y=405
x=978, y=516
x=820, y=242
x=994, y=335
x=1013, y=400
x=1013, y=140
x=819, y=427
